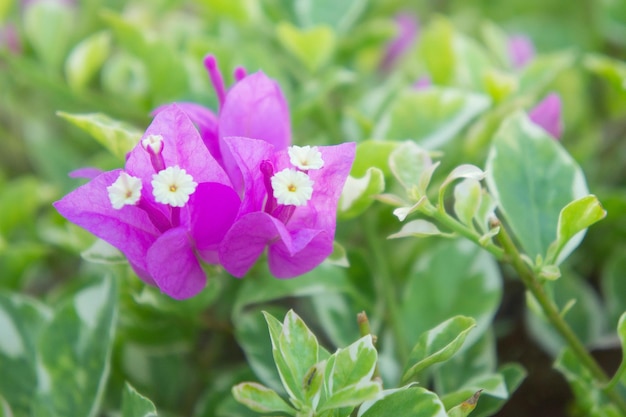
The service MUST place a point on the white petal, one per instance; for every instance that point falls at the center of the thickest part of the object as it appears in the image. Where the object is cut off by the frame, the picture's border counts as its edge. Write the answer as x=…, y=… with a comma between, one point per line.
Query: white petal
x=126, y=190
x=173, y=186
x=153, y=144
x=305, y=157
x=291, y=187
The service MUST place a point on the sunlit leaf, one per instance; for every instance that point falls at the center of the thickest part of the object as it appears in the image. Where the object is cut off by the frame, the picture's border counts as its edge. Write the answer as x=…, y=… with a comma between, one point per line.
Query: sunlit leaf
x=414, y=402
x=118, y=137
x=575, y=218
x=86, y=59
x=358, y=193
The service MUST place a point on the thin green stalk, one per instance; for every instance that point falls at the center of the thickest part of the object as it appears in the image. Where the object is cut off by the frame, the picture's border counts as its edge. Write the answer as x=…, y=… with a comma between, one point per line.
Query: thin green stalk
x=385, y=284
x=551, y=311
x=451, y=223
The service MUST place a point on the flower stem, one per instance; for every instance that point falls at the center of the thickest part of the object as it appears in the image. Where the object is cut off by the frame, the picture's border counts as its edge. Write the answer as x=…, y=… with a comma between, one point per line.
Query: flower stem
x=385, y=284
x=551, y=312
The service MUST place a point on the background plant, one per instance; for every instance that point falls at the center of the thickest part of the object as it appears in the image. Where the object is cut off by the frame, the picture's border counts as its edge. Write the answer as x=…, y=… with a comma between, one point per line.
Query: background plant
x=92, y=325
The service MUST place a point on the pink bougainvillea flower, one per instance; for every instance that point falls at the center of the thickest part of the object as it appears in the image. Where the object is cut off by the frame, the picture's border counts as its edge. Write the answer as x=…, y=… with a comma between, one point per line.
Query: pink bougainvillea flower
x=408, y=29
x=521, y=51
x=171, y=203
x=289, y=205
x=254, y=107
x=547, y=114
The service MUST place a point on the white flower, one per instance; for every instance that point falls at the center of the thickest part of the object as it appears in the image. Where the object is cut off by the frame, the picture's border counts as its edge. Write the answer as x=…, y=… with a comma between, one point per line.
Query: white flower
x=305, y=157
x=125, y=190
x=173, y=186
x=153, y=144
x=291, y=187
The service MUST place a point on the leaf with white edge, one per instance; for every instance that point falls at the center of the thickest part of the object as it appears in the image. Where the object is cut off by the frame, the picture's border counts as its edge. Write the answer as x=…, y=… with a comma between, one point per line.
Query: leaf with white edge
x=351, y=396
x=589, y=397
x=532, y=177
x=75, y=351
x=403, y=212
x=437, y=345
x=434, y=116
x=358, y=193
x=414, y=402
x=290, y=383
x=467, y=200
x=574, y=219
x=102, y=252
x=118, y=137
x=486, y=212
x=438, y=287
x=313, y=47
x=417, y=228
x=87, y=58
x=313, y=384
x=299, y=348
x=261, y=399
x=407, y=163
x=21, y=321
x=489, y=405
x=466, y=407
x=467, y=171
x=136, y=405
x=492, y=384
x=425, y=177
x=352, y=365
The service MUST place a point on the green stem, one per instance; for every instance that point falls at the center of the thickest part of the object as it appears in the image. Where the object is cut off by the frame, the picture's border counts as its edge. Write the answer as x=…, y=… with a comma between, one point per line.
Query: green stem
x=551, y=312
x=451, y=223
x=385, y=284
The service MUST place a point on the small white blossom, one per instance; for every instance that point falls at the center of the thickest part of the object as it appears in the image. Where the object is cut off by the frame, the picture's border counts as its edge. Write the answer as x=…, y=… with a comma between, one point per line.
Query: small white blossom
x=305, y=157
x=125, y=190
x=173, y=186
x=153, y=144
x=291, y=187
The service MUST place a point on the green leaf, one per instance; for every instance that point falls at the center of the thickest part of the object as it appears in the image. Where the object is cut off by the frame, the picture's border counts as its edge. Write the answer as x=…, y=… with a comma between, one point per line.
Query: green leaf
x=409, y=163
x=74, y=352
x=574, y=219
x=48, y=26
x=86, y=59
x=372, y=153
x=135, y=404
x=340, y=15
x=118, y=137
x=437, y=345
x=313, y=47
x=102, y=252
x=416, y=228
x=290, y=382
x=299, y=348
x=488, y=405
x=450, y=277
x=590, y=399
x=358, y=193
x=414, y=402
x=261, y=399
x=466, y=407
x=437, y=50
x=21, y=321
x=614, y=285
x=351, y=396
x=352, y=365
x=467, y=200
x=532, y=177
x=612, y=70
x=435, y=116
